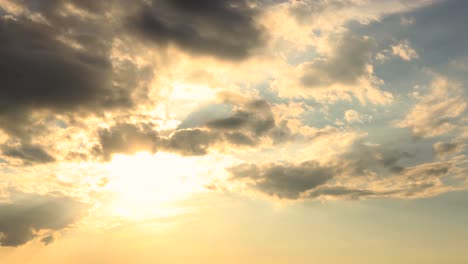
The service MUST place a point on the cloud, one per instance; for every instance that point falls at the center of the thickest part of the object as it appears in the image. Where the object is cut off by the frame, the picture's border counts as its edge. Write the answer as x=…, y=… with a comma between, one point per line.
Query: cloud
x=54, y=58
x=34, y=63
x=250, y=124
x=28, y=153
x=346, y=65
x=26, y=215
x=363, y=158
x=436, y=112
x=126, y=138
x=404, y=51
x=352, y=116
x=337, y=73
x=360, y=172
x=446, y=148
x=284, y=181
x=226, y=29
x=189, y=142
x=256, y=116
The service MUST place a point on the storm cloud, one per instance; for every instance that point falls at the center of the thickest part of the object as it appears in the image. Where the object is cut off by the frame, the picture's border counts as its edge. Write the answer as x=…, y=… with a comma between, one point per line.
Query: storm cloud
x=226, y=29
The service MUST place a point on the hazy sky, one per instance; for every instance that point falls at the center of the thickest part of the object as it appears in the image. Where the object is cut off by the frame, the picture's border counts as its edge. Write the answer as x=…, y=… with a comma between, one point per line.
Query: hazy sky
x=233, y=131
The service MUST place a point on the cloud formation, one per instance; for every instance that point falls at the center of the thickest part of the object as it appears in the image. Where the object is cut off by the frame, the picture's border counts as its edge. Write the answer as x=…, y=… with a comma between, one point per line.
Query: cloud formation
x=437, y=111
x=249, y=125
x=26, y=215
x=286, y=181
x=27, y=153
x=225, y=29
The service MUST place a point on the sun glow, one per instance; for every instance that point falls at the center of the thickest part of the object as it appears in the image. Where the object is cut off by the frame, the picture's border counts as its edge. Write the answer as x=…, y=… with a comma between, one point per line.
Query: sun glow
x=150, y=185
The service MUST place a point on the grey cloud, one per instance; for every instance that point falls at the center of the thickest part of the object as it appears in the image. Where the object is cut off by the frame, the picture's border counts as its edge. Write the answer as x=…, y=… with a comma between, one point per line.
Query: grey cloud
x=190, y=142
x=39, y=71
x=27, y=214
x=62, y=65
x=256, y=117
x=374, y=169
x=127, y=138
x=362, y=158
x=28, y=153
x=340, y=192
x=305, y=10
x=347, y=64
x=283, y=181
x=132, y=138
x=253, y=120
x=226, y=29
x=247, y=126
x=48, y=239
x=447, y=148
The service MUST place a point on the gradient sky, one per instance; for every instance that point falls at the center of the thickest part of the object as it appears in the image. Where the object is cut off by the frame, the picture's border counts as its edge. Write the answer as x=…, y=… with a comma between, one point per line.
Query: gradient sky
x=233, y=131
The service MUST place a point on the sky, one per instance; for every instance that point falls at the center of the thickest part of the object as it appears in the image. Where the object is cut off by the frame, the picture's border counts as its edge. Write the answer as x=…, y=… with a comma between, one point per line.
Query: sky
x=233, y=131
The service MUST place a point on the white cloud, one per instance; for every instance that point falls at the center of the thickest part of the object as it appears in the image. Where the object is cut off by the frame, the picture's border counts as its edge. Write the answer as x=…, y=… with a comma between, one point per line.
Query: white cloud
x=436, y=112
x=404, y=50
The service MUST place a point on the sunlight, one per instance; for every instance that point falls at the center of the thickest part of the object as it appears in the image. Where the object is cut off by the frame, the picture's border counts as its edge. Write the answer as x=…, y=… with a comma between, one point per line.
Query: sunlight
x=149, y=185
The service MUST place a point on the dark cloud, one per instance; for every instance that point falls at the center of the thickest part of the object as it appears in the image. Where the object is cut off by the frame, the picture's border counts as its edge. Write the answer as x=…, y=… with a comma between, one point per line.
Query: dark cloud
x=190, y=142
x=61, y=65
x=132, y=138
x=340, y=192
x=27, y=214
x=362, y=158
x=225, y=29
x=255, y=117
x=283, y=181
x=247, y=126
x=347, y=64
x=446, y=148
x=28, y=153
x=37, y=70
x=48, y=239
x=360, y=164
x=127, y=138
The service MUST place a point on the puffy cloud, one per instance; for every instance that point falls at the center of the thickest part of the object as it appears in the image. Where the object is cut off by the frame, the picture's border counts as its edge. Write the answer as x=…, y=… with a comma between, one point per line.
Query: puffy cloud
x=352, y=116
x=336, y=74
x=226, y=29
x=404, y=51
x=26, y=215
x=436, y=113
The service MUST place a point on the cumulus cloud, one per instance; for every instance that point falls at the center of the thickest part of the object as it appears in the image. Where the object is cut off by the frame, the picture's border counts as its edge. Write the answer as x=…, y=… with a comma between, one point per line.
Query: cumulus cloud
x=226, y=29
x=26, y=215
